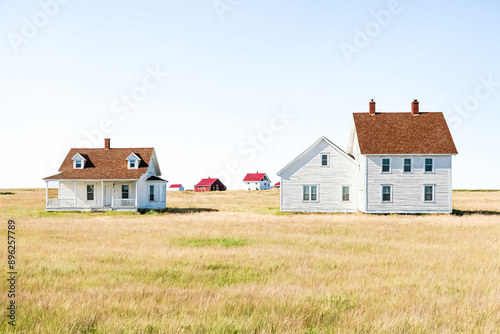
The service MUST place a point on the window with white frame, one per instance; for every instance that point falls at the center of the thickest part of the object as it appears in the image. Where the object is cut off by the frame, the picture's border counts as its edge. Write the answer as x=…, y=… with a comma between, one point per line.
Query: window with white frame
x=310, y=193
x=345, y=193
x=151, y=193
x=133, y=161
x=429, y=193
x=125, y=191
x=325, y=159
x=90, y=192
x=387, y=193
x=429, y=165
x=386, y=165
x=407, y=168
x=78, y=161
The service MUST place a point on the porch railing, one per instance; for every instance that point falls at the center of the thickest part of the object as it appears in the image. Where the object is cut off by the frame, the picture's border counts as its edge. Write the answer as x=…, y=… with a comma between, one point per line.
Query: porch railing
x=124, y=202
x=60, y=203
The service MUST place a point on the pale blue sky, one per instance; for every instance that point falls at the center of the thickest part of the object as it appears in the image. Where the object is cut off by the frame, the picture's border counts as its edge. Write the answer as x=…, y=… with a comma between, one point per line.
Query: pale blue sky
x=227, y=77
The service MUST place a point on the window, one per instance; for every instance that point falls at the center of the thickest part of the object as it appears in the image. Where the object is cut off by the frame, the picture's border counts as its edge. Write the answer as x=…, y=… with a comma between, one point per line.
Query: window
x=324, y=159
x=124, y=191
x=429, y=193
x=386, y=165
x=429, y=165
x=310, y=193
x=387, y=193
x=345, y=194
x=132, y=163
x=78, y=164
x=90, y=192
x=152, y=193
x=407, y=165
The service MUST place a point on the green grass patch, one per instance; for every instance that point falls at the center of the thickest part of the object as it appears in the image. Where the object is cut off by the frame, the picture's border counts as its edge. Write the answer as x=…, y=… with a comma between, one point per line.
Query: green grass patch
x=196, y=242
x=7, y=193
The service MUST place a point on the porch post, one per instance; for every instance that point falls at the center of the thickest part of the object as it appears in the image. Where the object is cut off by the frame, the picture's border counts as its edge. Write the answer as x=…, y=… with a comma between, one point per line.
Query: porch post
x=136, y=192
x=112, y=194
x=76, y=198
x=102, y=193
x=46, y=194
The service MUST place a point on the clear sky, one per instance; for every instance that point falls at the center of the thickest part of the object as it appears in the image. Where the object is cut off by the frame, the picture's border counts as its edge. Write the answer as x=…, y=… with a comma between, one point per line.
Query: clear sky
x=225, y=87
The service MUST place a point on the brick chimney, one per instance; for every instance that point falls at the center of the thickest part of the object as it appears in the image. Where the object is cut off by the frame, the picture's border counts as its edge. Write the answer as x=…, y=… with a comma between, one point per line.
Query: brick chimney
x=106, y=143
x=372, y=108
x=414, y=108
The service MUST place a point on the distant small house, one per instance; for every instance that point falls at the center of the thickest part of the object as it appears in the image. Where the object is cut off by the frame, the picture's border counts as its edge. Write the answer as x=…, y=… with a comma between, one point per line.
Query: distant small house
x=277, y=185
x=210, y=184
x=257, y=181
x=176, y=187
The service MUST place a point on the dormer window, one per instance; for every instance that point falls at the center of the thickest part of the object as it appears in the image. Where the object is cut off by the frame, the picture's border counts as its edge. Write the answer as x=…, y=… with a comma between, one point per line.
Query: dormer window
x=78, y=161
x=133, y=161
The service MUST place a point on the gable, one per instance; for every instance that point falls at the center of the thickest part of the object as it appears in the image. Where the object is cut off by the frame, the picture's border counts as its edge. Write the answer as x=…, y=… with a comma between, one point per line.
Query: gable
x=314, y=151
x=403, y=133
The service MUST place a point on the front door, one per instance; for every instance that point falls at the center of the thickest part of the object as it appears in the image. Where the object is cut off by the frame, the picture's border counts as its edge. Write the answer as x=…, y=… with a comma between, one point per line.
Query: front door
x=108, y=195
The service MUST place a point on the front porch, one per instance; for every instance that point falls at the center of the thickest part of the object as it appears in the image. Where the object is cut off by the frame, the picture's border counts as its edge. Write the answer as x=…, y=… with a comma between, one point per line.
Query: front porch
x=94, y=195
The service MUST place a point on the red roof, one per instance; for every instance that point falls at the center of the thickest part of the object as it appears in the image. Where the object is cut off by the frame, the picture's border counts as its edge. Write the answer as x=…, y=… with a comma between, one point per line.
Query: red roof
x=254, y=177
x=176, y=186
x=277, y=184
x=206, y=182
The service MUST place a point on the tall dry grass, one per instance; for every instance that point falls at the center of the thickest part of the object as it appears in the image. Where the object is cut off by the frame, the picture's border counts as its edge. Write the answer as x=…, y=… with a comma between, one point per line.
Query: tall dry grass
x=247, y=269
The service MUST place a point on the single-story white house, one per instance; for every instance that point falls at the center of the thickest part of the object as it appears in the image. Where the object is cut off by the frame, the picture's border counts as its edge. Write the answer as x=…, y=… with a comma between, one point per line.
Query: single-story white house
x=176, y=187
x=257, y=181
x=108, y=179
x=395, y=162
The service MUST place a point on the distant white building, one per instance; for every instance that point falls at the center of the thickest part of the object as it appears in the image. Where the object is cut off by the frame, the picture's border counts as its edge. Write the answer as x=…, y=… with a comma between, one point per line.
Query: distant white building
x=257, y=181
x=394, y=163
x=176, y=187
x=108, y=179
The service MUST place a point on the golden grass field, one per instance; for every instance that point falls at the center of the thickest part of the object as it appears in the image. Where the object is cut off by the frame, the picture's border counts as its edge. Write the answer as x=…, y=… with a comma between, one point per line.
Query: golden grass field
x=244, y=267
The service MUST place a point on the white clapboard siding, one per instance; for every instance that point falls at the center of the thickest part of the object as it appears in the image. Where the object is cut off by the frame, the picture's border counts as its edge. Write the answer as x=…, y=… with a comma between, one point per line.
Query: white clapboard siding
x=67, y=191
x=143, y=193
x=307, y=170
x=408, y=188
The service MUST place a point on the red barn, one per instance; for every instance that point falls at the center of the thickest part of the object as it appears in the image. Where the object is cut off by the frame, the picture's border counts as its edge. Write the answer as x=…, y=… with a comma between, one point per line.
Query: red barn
x=210, y=184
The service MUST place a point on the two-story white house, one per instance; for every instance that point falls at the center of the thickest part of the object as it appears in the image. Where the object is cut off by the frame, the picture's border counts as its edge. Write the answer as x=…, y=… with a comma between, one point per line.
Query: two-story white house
x=108, y=179
x=394, y=163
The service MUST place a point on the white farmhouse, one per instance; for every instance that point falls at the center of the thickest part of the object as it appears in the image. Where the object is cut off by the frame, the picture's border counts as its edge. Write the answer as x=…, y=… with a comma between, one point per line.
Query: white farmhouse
x=257, y=181
x=394, y=163
x=108, y=179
